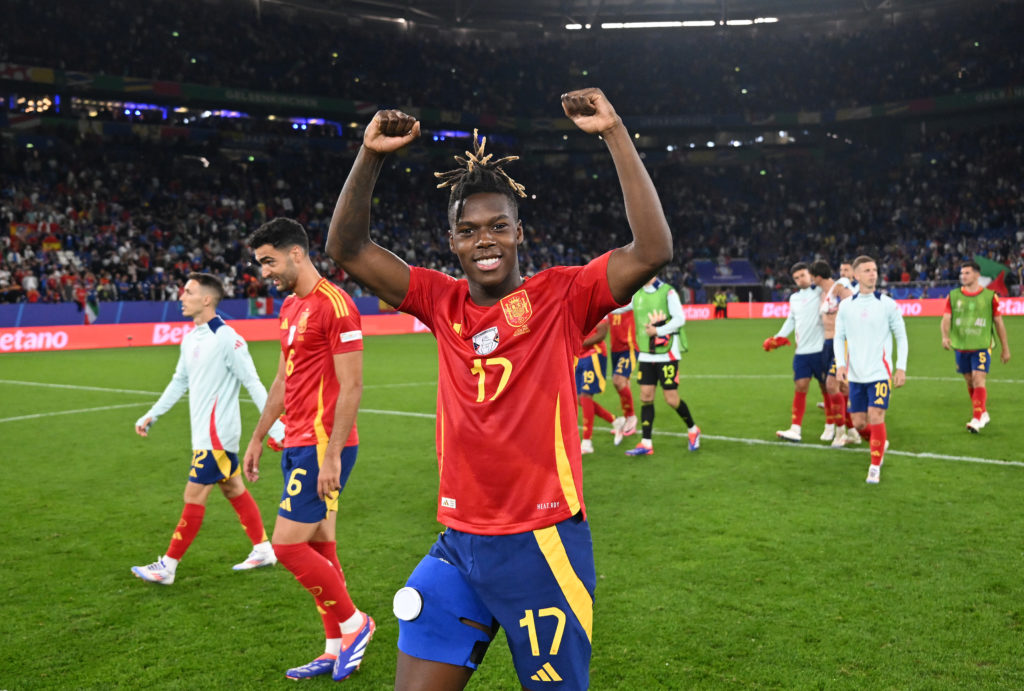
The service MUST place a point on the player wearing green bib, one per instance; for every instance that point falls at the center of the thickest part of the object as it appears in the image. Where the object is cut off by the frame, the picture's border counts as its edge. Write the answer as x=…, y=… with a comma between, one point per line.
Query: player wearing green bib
x=970, y=318
x=660, y=340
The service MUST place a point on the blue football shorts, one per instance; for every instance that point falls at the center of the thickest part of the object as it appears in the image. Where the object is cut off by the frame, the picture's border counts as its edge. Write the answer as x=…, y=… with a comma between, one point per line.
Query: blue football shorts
x=590, y=374
x=828, y=358
x=968, y=361
x=300, y=466
x=538, y=586
x=210, y=466
x=623, y=363
x=871, y=395
x=808, y=365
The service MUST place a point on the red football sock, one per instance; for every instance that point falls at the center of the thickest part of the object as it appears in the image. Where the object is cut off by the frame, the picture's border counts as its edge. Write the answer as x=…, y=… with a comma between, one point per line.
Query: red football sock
x=979, y=398
x=602, y=413
x=877, y=443
x=865, y=433
x=329, y=550
x=188, y=528
x=830, y=413
x=838, y=418
x=799, y=405
x=322, y=579
x=587, y=403
x=846, y=413
x=626, y=399
x=249, y=515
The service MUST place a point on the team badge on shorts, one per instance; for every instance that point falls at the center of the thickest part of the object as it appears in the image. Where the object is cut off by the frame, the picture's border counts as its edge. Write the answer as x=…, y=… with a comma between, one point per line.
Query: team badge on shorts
x=486, y=341
x=517, y=308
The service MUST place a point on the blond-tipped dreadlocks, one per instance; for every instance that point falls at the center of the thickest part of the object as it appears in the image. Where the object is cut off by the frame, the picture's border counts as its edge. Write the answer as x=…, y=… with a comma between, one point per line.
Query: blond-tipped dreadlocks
x=478, y=173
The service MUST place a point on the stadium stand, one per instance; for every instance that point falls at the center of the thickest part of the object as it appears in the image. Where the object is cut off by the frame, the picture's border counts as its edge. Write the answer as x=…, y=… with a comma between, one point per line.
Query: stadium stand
x=127, y=213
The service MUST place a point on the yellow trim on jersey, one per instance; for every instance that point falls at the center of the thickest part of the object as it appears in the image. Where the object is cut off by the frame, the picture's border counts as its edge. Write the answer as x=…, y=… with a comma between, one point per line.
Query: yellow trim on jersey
x=224, y=463
x=595, y=360
x=331, y=292
x=550, y=543
x=632, y=351
x=318, y=420
x=562, y=463
x=440, y=456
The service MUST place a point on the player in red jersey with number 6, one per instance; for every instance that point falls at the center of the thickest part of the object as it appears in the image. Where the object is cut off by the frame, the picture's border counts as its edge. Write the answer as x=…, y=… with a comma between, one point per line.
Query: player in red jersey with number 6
x=319, y=383
x=517, y=552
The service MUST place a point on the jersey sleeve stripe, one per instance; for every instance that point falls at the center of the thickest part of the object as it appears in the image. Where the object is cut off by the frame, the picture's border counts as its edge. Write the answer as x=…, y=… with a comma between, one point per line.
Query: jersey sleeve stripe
x=550, y=544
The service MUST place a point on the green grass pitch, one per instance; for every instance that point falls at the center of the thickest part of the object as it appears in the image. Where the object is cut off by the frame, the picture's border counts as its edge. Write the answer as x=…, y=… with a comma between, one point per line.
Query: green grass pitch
x=748, y=564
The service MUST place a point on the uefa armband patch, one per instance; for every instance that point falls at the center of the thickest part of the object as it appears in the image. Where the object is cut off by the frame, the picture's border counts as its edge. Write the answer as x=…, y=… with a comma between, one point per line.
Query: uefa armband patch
x=348, y=336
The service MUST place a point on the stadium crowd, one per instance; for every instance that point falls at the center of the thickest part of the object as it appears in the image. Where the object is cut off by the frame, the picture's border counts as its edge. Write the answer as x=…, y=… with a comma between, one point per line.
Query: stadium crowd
x=707, y=71
x=129, y=219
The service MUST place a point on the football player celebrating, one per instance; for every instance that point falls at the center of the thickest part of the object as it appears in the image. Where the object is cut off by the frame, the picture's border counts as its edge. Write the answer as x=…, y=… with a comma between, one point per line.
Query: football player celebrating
x=516, y=552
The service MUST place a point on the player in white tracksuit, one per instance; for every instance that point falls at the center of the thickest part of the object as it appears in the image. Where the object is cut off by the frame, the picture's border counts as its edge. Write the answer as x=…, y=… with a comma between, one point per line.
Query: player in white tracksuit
x=213, y=365
x=866, y=325
x=808, y=361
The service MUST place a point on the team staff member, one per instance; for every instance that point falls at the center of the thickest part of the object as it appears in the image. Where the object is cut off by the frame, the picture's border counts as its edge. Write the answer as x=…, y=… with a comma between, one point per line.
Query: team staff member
x=659, y=319
x=970, y=317
x=866, y=325
x=319, y=383
x=517, y=551
x=214, y=363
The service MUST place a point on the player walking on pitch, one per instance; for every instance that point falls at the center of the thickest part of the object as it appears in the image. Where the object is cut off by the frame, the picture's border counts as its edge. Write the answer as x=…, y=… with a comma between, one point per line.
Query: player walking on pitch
x=516, y=552
x=968, y=322
x=319, y=383
x=808, y=361
x=590, y=379
x=866, y=324
x=622, y=332
x=832, y=293
x=659, y=319
x=214, y=363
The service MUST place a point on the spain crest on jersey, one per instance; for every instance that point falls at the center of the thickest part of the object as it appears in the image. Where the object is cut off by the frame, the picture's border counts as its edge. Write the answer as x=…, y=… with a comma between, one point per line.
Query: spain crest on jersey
x=517, y=308
x=303, y=320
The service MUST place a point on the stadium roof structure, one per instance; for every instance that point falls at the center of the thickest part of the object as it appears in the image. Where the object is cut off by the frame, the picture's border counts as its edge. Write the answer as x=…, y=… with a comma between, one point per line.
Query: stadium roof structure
x=483, y=15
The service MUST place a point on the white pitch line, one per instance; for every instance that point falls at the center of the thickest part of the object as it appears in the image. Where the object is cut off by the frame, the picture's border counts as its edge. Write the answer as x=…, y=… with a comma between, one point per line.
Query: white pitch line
x=816, y=447
x=765, y=442
x=400, y=413
x=736, y=440
x=910, y=378
x=77, y=387
x=70, y=412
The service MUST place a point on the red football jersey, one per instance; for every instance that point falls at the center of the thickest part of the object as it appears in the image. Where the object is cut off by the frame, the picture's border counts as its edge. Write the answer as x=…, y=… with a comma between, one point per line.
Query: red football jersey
x=313, y=330
x=622, y=328
x=508, y=447
x=599, y=348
